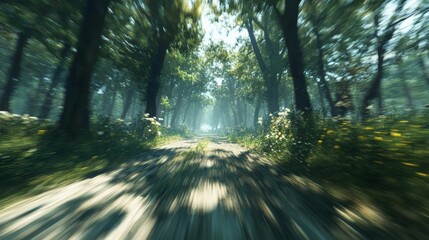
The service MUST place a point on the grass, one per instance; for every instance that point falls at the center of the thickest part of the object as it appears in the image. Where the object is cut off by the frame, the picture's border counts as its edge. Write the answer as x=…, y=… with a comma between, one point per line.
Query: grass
x=384, y=160
x=35, y=158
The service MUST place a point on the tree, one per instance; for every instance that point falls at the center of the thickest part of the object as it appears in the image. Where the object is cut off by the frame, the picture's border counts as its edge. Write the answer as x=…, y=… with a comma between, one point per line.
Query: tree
x=382, y=39
x=172, y=23
x=75, y=113
x=55, y=81
x=14, y=71
x=271, y=72
x=19, y=17
x=289, y=24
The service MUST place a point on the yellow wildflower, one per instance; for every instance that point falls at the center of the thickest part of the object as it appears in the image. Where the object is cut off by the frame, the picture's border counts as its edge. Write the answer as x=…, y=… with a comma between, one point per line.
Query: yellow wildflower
x=378, y=138
x=330, y=131
x=410, y=164
x=369, y=128
x=395, y=134
x=320, y=141
x=422, y=174
x=41, y=132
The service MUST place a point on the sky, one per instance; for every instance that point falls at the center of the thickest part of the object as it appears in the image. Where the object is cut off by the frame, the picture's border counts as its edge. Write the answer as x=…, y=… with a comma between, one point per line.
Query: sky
x=224, y=29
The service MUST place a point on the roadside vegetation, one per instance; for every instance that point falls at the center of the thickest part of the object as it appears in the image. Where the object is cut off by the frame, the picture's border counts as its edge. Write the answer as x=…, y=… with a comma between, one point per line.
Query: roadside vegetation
x=36, y=157
x=383, y=159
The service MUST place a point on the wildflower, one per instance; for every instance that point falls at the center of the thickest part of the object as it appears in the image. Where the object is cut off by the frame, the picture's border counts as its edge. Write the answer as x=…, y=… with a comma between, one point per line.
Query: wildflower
x=330, y=131
x=378, y=138
x=422, y=174
x=395, y=134
x=41, y=132
x=403, y=121
x=410, y=164
x=368, y=128
x=320, y=141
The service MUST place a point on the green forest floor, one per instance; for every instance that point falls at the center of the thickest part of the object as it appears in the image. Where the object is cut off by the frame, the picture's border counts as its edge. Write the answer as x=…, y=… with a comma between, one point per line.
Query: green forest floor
x=34, y=158
x=383, y=161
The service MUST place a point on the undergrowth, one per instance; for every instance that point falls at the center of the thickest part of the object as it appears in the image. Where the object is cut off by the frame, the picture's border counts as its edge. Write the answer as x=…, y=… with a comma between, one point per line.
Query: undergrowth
x=35, y=157
x=384, y=159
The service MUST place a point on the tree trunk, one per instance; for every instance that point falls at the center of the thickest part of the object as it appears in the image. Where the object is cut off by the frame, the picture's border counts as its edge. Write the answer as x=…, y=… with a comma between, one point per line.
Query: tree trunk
x=407, y=93
x=321, y=98
x=228, y=121
x=106, y=98
x=269, y=77
x=14, y=71
x=275, y=64
x=75, y=113
x=127, y=102
x=374, y=90
x=55, y=81
x=257, y=108
x=154, y=79
x=404, y=84
x=186, y=113
x=33, y=96
x=321, y=70
x=112, y=101
x=177, y=108
x=424, y=69
x=289, y=24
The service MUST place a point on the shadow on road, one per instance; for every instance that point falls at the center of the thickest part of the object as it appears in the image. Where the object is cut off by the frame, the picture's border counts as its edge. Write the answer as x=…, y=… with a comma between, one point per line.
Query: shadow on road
x=224, y=192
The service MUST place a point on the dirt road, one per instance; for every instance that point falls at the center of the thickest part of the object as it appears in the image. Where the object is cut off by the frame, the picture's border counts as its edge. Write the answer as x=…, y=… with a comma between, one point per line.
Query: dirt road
x=190, y=189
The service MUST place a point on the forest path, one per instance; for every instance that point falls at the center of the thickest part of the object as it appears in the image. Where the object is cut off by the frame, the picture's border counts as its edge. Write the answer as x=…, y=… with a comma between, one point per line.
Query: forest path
x=189, y=189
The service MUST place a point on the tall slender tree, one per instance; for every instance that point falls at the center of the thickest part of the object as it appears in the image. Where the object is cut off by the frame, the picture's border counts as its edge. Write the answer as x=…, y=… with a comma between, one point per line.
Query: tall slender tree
x=14, y=71
x=75, y=113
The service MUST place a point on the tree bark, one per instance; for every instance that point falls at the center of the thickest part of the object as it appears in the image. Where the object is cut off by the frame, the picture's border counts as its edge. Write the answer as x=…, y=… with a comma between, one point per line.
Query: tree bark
x=33, y=96
x=374, y=90
x=269, y=77
x=186, y=113
x=154, y=79
x=257, y=108
x=407, y=92
x=424, y=69
x=14, y=71
x=177, y=107
x=112, y=101
x=321, y=70
x=127, y=101
x=75, y=115
x=289, y=24
x=55, y=81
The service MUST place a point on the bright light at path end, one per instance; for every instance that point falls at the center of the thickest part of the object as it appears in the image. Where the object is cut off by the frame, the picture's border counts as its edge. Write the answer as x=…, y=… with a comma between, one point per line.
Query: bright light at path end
x=205, y=128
